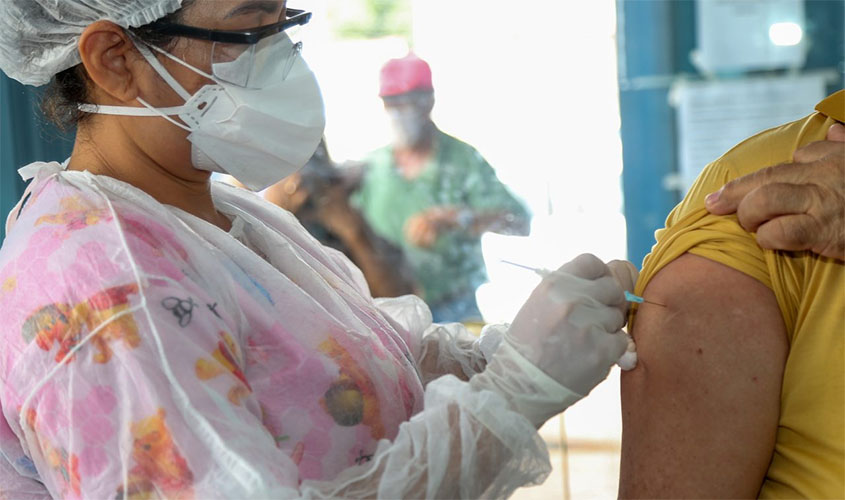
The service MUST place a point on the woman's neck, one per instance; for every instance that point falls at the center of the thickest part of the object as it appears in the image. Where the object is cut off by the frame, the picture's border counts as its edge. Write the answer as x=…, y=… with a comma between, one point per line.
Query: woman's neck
x=123, y=161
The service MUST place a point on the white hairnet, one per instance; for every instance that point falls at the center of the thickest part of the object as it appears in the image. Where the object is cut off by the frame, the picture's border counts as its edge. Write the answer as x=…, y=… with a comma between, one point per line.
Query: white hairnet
x=38, y=38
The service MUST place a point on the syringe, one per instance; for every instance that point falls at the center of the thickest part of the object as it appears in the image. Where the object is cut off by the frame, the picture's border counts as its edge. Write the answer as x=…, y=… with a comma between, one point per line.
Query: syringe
x=543, y=273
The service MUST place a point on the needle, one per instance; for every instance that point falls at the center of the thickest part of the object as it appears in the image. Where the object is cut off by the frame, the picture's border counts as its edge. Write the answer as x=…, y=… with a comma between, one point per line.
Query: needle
x=630, y=297
x=541, y=272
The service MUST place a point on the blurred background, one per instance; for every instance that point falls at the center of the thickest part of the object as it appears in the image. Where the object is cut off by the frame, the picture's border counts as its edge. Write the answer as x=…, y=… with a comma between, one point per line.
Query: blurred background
x=597, y=114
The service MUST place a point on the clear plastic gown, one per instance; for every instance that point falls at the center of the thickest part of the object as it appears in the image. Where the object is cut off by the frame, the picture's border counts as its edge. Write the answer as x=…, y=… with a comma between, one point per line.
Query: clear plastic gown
x=148, y=354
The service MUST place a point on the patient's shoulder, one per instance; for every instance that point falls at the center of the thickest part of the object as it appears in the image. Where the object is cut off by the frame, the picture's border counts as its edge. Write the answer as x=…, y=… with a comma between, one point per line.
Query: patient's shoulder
x=702, y=293
x=690, y=228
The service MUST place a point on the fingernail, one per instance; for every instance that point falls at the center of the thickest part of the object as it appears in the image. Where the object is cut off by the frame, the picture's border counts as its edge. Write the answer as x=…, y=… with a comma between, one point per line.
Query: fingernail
x=713, y=198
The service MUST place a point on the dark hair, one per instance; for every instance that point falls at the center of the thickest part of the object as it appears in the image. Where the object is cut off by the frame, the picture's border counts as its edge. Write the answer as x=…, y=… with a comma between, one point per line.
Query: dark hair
x=69, y=88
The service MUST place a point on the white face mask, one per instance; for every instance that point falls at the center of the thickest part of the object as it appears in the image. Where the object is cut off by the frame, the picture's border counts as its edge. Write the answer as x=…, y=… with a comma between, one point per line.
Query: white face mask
x=409, y=126
x=259, y=135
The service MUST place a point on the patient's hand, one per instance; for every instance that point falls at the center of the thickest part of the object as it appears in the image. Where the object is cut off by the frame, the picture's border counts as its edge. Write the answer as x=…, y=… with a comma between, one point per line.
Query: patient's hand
x=794, y=206
x=700, y=413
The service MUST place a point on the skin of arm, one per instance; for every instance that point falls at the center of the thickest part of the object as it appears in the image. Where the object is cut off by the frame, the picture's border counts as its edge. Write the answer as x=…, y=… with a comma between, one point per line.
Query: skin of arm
x=433, y=364
x=700, y=412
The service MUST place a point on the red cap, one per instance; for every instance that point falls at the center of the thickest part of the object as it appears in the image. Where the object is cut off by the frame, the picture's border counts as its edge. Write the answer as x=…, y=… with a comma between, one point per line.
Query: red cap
x=407, y=74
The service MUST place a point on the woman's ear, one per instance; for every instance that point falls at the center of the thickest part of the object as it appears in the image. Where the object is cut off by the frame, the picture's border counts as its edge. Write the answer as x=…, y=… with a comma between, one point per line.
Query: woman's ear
x=107, y=54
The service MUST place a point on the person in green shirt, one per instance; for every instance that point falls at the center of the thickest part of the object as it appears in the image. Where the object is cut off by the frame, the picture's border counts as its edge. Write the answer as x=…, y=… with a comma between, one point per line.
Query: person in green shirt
x=434, y=196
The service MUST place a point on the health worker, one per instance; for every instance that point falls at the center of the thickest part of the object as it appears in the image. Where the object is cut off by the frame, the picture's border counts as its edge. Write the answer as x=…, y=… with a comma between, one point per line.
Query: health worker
x=168, y=337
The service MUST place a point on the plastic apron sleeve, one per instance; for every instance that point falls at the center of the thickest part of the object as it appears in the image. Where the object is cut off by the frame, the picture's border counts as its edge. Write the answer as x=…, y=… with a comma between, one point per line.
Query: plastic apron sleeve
x=144, y=424
x=440, y=349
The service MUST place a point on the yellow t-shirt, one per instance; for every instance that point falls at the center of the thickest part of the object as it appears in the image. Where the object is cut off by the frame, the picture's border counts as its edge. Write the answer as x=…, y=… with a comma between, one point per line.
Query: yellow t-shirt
x=809, y=455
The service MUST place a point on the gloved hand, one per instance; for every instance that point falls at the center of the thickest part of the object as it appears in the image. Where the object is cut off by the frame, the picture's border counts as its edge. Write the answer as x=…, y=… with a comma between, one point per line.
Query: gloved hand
x=563, y=341
x=626, y=275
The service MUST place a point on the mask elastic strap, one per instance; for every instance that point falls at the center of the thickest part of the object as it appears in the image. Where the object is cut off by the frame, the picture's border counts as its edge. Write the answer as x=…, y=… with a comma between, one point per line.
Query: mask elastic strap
x=147, y=110
x=178, y=61
x=163, y=115
x=150, y=110
x=162, y=72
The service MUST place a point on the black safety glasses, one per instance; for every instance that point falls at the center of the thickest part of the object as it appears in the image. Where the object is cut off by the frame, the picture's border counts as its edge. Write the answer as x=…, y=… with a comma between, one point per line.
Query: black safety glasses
x=251, y=36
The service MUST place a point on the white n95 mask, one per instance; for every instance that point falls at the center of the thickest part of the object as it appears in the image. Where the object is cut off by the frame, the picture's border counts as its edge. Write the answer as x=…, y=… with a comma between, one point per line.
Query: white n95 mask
x=257, y=135
x=409, y=126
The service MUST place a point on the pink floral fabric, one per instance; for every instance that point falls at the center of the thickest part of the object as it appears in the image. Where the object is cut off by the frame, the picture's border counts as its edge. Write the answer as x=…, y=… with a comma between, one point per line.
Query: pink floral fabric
x=144, y=350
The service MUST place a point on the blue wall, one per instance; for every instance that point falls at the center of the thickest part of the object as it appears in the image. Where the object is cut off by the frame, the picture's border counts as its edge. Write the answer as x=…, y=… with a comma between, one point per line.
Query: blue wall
x=655, y=39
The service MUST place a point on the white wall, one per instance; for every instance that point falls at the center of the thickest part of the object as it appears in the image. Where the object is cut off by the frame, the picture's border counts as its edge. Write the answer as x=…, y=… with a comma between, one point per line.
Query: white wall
x=532, y=85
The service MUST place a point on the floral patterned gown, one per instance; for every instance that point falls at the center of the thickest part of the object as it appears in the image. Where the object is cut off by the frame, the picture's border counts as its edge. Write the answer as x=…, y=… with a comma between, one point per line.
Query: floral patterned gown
x=148, y=354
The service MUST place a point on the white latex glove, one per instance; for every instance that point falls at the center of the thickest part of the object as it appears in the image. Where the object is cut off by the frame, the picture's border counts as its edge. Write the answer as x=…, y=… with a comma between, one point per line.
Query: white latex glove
x=626, y=275
x=562, y=342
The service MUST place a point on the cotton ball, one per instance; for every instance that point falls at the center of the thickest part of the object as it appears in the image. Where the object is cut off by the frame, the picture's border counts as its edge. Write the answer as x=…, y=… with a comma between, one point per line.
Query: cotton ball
x=628, y=361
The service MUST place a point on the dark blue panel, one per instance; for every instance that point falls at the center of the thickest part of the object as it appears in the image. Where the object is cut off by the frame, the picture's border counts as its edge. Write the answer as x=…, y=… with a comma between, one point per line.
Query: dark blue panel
x=25, y=137
x=683, y=35
x=11, y=186
x=825, y=32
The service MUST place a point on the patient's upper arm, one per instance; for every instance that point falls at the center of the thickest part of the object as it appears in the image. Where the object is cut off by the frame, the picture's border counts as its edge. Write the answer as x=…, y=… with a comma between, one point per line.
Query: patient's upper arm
x=700, y=412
